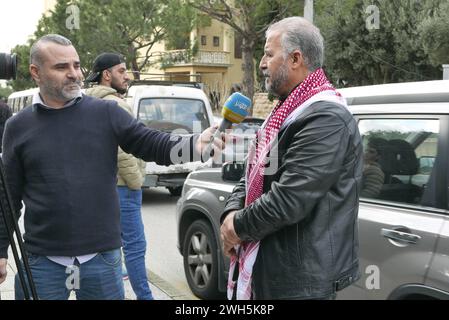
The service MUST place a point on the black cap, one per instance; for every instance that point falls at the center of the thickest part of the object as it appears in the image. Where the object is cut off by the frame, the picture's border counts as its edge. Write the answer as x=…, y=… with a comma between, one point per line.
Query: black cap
x=102, y=62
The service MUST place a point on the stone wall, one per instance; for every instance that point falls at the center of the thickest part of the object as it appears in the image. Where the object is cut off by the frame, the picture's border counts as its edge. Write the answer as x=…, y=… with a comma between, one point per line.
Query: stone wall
x=262, y=106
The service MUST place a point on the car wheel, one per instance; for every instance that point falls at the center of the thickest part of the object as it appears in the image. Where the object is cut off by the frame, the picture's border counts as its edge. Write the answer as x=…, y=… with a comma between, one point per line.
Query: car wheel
x=200, y=260
x=175, y=191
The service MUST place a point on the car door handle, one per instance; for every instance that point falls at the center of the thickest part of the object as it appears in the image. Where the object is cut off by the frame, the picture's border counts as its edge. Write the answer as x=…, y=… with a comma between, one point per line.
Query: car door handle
x=400, y=236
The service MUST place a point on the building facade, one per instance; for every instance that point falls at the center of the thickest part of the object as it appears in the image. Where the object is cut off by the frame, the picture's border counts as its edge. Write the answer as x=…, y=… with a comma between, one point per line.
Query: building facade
x=216, y=61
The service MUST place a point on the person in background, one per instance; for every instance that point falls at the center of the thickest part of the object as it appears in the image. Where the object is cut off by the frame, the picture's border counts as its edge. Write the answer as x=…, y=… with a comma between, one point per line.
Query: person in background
x=5, y=114
x=109, y=72
x=373, y=176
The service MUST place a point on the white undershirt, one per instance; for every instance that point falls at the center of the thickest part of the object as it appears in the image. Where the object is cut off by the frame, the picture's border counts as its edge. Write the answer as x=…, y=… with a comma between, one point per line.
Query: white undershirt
x=70, y=261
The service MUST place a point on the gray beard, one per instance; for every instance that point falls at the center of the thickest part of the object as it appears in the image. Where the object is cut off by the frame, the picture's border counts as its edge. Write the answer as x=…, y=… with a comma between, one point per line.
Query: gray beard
x=280, y=78
x=63, y=95
x=71, y=94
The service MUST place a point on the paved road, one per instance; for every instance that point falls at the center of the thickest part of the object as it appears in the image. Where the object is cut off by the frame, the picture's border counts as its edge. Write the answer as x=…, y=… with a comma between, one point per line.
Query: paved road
x=163, y=258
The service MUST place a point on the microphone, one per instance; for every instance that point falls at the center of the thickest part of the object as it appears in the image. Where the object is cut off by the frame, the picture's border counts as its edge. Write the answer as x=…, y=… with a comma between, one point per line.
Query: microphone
x=235, y=109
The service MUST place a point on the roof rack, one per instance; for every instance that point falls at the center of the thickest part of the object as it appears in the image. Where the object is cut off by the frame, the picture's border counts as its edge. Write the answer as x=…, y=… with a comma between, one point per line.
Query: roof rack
x=168, y=79
x=406, y=92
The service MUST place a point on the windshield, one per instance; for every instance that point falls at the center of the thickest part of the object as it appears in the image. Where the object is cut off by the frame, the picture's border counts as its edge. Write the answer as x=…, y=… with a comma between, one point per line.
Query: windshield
x=170, y=114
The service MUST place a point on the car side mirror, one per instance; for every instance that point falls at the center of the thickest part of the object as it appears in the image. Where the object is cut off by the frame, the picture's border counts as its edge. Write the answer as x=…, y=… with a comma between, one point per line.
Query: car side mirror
x=232, y=171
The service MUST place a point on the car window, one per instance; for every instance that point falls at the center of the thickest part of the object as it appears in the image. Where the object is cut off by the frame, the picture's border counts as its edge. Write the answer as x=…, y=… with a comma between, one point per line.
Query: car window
x=399, y=157
x=250, y=124
x=148, y=112
x=172, y=114
x=242, y=135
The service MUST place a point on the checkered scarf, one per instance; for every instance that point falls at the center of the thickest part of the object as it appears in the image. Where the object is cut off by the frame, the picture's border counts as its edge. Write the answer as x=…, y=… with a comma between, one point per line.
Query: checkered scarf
x=314, y=83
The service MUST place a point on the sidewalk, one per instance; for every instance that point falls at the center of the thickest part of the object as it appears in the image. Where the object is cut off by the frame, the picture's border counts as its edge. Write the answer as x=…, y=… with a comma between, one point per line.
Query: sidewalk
x=7, y=287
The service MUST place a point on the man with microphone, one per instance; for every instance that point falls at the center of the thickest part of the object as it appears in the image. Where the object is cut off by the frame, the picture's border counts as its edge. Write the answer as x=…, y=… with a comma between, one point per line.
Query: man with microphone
x=60, y=158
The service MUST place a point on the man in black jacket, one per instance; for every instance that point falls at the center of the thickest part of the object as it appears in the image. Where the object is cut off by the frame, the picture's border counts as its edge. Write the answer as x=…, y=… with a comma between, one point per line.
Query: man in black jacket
x=290, y=225
x=60, y=157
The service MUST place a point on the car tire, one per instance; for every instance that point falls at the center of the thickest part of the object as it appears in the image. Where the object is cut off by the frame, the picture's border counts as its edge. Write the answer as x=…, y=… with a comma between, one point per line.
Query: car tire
x=200, y=260
x=175, y=191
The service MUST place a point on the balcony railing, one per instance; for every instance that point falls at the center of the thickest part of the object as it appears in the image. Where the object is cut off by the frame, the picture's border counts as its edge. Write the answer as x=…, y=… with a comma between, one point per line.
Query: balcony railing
x=185, y=57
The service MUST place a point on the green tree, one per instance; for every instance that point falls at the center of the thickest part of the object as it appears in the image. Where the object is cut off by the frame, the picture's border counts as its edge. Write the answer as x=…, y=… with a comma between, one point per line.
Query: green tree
x=108, y=25
x=180, y=19
x=129, y=27
x=5, y=92
x=393, y=52
x=434, y=31
x=249, y=19
x=23, y=80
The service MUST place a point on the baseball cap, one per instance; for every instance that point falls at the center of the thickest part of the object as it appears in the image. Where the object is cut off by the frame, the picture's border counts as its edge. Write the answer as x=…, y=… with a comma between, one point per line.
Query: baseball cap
x=102, y=62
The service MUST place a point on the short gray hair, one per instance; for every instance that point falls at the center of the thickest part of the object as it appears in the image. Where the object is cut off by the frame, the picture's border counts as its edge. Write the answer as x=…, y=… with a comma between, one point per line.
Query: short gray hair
x=35, y=54
x=299, y=33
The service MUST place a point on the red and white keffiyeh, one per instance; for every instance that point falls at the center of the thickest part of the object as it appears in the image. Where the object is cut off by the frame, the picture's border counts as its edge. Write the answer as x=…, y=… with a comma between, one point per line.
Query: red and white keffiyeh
x=314, y=84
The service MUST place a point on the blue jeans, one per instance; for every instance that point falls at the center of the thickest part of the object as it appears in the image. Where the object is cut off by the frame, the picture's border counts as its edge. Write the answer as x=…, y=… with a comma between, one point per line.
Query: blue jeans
x=97, y=279
x=134, y=243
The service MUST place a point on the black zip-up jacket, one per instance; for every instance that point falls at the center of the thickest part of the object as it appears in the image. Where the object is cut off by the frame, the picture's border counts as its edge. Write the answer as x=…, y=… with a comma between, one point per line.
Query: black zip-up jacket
x=306, y=218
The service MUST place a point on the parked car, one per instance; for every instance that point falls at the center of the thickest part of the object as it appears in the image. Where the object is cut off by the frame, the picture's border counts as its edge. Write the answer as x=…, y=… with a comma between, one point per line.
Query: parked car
x=171, y=108
x=241, y=136
x=403, y=227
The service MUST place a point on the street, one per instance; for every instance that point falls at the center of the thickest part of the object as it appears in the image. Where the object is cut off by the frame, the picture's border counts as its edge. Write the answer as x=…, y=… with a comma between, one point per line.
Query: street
x=163, y=258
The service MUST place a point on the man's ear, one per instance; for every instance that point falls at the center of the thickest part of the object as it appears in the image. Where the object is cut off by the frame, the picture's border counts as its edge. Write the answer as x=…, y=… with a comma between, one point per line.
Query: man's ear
x=34, y=71
x=297, y=59
x=106, y=75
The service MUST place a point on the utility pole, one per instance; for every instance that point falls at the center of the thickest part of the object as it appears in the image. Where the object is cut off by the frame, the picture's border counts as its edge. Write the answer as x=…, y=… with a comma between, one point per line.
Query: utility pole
x=308, y=10
x=445, y=71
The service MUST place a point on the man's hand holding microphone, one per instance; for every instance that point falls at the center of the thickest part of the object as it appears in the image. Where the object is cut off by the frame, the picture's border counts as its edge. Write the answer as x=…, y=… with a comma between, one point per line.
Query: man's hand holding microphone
x=234, y=111
x=211, y=141
x=3, y=272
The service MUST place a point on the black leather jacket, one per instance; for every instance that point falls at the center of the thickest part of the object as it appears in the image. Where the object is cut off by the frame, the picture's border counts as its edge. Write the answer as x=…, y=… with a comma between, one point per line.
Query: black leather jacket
x=307, y=217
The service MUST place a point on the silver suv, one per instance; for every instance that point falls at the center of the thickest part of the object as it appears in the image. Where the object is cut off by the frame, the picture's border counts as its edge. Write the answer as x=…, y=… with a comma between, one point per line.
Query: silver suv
x=404, y=204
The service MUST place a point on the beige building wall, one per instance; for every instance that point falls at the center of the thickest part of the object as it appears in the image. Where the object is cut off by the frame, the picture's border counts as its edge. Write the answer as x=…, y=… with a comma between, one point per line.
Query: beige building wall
x=216, y=29
x=262, y=106
x=216, y=77
x=221, y=81
x=156, y=51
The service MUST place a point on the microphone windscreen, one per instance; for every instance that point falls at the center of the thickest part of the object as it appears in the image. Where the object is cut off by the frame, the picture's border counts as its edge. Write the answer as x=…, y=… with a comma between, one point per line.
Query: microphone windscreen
x=236, y=108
